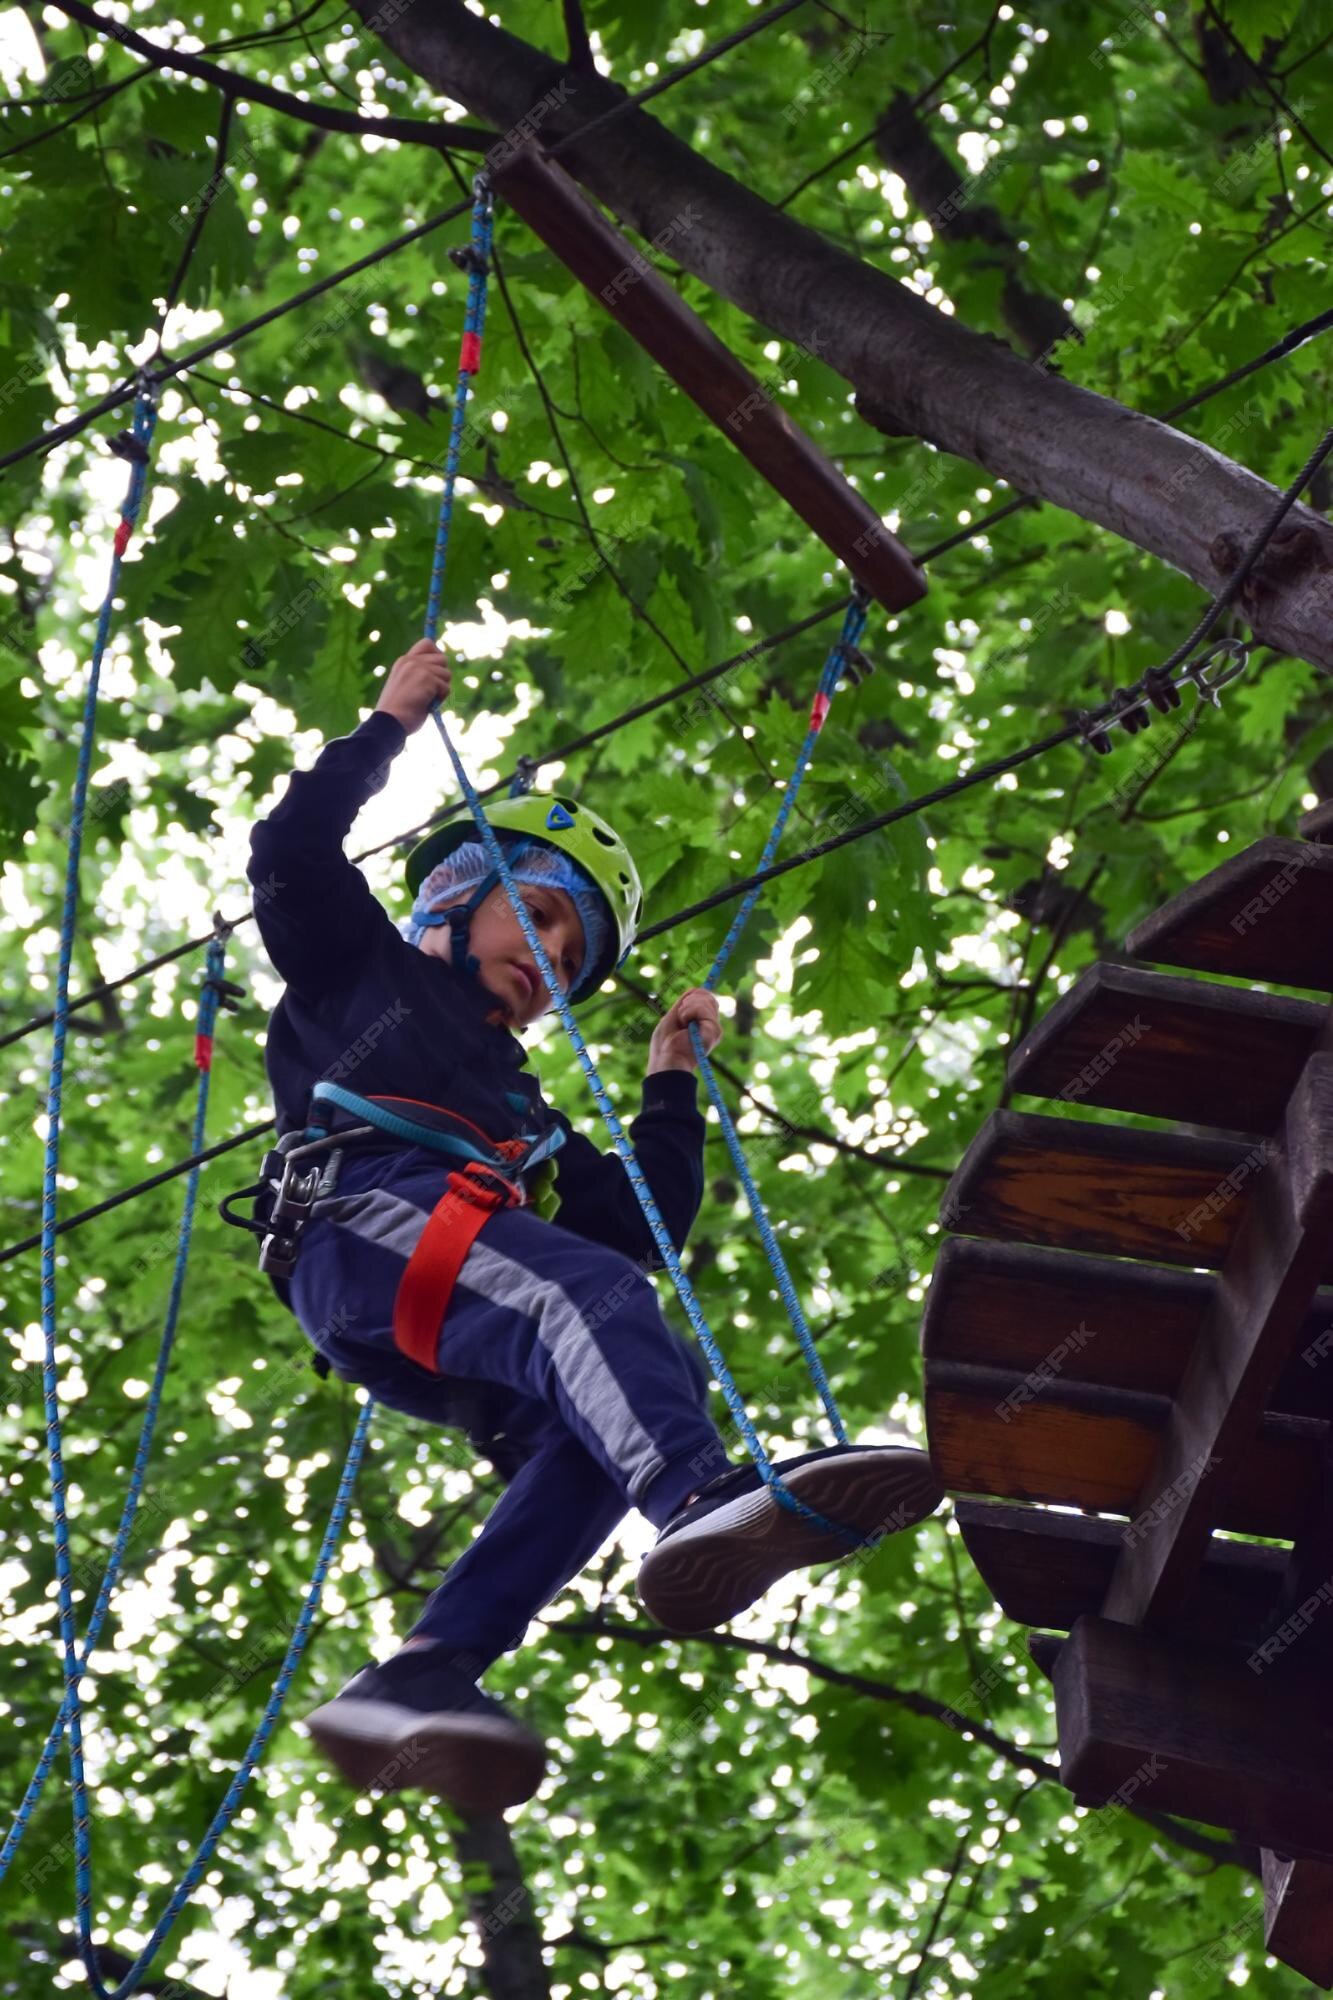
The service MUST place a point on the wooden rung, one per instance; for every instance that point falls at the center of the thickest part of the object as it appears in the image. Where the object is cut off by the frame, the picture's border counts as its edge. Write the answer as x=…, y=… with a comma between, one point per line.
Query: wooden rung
x=1081, y=1446
x=1298, y=1915
x=1046, y=1569
x=1267, y=913
x=1181, y=1728
x=686, y=348
x=1048, y=1314
x=1133, y=1040
x=1167, y=1197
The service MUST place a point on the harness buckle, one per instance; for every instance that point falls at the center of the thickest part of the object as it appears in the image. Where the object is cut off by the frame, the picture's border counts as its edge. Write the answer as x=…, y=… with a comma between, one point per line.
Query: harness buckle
x=486, y=1187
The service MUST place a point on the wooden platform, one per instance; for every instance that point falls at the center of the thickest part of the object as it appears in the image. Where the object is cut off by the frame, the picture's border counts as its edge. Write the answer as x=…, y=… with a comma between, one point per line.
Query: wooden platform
x=1128, y=1351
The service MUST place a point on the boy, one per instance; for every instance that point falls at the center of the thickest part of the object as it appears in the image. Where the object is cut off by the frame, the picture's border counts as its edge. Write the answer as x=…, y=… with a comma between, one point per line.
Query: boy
x=441, y=1284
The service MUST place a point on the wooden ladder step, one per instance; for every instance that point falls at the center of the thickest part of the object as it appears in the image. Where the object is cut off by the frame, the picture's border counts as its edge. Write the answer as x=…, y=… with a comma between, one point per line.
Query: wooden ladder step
x=1175, y=1727
x=1133, y=1040
x=1167, y=1197
x=1080, y=1445
x=1047, y=1569
x=1267, y=914
x=1046, y=1314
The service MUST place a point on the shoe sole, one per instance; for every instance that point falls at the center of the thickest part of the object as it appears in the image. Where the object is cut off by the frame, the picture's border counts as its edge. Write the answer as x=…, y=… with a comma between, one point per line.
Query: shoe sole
x=477, y=1762
x=704, y=1575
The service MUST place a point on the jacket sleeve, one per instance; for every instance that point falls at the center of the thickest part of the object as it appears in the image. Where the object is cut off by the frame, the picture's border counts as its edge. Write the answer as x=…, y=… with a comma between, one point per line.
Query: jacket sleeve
x=597, y=1199
x=315, y=910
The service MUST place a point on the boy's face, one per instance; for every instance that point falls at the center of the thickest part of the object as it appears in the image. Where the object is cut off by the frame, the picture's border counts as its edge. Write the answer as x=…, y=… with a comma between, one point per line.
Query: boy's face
x=507, y=967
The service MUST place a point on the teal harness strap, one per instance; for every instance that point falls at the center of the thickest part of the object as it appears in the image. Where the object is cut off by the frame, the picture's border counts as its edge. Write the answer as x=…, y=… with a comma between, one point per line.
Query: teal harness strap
x=435, y=1139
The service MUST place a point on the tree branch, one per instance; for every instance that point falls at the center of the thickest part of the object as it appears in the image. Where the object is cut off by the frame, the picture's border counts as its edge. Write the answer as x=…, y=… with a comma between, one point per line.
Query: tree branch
x=409, y=131
x=915, y=369
x=1233, y=1853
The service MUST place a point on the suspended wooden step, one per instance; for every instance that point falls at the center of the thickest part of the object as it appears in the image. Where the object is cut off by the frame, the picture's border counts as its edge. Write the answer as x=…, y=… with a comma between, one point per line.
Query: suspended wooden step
x=1047, y=1314
x=1048, y=1570
x=1265, y=914
x=1132, y=1336
x=1194, y=1732
x=1127, y=1192
x=1131, y=1040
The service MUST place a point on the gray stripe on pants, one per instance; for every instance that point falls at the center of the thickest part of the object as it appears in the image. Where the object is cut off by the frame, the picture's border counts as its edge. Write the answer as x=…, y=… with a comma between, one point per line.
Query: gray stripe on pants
x=584, y=1374
x=378, y=1217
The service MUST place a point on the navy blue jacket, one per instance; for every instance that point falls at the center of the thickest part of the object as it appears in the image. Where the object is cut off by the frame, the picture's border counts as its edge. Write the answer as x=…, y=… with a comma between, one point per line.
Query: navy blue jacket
x=366, y=1009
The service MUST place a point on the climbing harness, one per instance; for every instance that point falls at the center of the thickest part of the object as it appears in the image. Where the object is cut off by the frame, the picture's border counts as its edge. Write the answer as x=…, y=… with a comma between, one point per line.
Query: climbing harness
x=302, y=1170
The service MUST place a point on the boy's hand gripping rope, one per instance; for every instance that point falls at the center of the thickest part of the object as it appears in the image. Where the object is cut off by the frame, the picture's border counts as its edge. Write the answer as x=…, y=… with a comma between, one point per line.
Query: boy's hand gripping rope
x=477, y=265
x=134, y=447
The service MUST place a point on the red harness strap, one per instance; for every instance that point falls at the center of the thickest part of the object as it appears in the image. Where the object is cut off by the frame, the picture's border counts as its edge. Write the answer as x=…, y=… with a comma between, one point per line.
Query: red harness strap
x=472, y=1194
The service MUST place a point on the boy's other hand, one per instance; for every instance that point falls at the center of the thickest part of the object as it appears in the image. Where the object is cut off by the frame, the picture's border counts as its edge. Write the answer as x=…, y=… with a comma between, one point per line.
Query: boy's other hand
x=671, y=1047
x=414, y=684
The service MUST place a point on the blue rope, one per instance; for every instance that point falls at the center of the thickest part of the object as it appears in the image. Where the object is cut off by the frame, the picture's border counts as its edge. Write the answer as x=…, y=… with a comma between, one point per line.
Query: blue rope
x=71, y=1712
x=853, y=625
x=481, y=237
x=474, y=323
x=207, y=1016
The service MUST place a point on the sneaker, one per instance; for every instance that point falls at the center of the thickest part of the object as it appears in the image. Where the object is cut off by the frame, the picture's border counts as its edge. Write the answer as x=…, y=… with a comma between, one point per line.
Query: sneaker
x=417, y=1722
x=735, y=1539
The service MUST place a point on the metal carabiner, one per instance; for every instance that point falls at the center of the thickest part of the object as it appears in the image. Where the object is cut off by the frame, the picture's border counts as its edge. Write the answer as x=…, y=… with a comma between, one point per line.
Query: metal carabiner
x=1208, y=688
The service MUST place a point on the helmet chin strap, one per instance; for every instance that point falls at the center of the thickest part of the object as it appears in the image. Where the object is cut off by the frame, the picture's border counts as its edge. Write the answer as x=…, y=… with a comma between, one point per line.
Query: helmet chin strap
x=459, y=917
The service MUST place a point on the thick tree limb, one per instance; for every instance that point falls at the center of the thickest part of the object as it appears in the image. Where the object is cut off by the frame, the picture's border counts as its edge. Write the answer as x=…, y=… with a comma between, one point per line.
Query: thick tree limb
x=917, y=371
x=940, y=189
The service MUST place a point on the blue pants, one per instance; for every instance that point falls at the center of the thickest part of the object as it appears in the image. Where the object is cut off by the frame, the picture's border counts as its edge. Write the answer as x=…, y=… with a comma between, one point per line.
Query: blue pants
x=553, y=1356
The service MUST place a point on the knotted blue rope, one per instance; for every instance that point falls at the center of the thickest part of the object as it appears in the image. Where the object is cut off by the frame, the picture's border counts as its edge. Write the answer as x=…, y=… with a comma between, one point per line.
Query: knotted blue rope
x=476, y=312
x=134, y=446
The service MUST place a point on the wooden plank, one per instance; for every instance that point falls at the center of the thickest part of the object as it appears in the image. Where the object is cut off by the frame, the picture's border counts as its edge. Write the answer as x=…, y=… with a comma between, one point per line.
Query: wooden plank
x=1298, y=1915
x=1185, y=1729
x=1267, y=913
x=1133, y=1040
x=1044, y=1313
x=1271, y=1273
x=1080, y=1446
x=682, y=344
x=1047, y=1569
x=1166, y=1197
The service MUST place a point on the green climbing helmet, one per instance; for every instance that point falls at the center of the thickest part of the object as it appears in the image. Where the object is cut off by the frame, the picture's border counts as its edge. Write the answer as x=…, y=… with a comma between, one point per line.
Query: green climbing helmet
x=572, y=829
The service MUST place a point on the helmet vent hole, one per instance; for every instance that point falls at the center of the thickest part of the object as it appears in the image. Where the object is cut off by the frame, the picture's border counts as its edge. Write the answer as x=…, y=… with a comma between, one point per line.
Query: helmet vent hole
x=607, y=839
x=569, y=805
